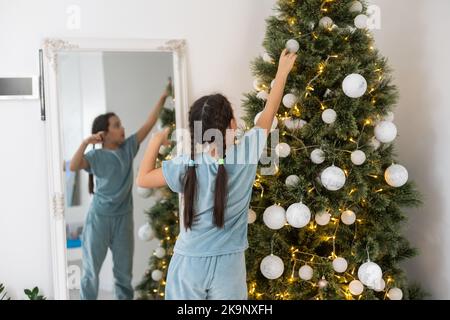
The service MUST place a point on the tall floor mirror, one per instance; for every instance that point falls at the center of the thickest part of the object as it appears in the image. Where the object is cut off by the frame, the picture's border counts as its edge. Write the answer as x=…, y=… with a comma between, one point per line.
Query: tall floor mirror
x=85, y=78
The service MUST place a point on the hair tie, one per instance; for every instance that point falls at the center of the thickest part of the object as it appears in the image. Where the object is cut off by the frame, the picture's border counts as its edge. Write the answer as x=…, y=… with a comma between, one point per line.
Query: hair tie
x=191, y=163
x=220, y=161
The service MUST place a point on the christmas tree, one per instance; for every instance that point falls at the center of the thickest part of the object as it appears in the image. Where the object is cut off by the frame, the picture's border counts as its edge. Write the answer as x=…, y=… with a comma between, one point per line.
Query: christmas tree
x=326, y=224
x=163, y=224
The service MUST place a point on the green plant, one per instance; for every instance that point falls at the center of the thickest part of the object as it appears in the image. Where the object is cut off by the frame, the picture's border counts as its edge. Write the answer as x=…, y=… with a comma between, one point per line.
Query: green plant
x=3, y=294
x=34, y=294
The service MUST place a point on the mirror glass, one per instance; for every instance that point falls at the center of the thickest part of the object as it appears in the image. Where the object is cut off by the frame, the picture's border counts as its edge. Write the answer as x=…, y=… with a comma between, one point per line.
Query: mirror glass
x=131, y=85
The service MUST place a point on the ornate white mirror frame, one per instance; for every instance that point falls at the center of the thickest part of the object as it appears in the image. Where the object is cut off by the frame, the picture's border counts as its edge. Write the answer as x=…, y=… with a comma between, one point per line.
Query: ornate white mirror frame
x=54, y=133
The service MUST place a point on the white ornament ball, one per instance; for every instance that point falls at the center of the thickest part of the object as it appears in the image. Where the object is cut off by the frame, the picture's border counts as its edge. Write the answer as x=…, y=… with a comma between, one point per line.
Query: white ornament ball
x=272, y=267
x=274, y=123
x=361, y=21
x=374, y=143
x=354, y=85
x=274, y=217
x=305, y=272
x=389, y=117
x=369, y=273
x=292, y=180
x=292, y=45
x=163, y=149
x=379, y=286
x=395, y=294
x=356, y=287
x=263, y=95
x=348, y=217
x=160, y=252
x=298, y=215
x=145, y=233
x=322, y=218
x=358, y=157
x=267, y=58
x=356, y=6
x=317, y=156
x=326, y=22
x=157, y=275
x=396, y=175
x=333, y=178
x=257, y=84
x=329, y=116
x=143, y=192
x=289, y=100
x=340, y=264
x=322, y=283
x=251, y=218
x=282, y=150
x=294, y=124
x=385, y=131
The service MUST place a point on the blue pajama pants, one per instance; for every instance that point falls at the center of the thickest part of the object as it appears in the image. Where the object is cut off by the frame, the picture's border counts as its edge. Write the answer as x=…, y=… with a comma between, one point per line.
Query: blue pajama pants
x=221, y=277
x=101, y=232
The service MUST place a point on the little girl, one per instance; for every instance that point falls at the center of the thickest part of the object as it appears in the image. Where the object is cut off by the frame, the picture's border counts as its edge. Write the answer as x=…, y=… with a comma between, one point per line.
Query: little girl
x=109, y=222
x=208, y=260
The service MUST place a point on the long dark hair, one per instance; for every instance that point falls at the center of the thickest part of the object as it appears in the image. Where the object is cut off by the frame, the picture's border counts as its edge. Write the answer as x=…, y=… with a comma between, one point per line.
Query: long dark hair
x=101, y=123
x=214, y=112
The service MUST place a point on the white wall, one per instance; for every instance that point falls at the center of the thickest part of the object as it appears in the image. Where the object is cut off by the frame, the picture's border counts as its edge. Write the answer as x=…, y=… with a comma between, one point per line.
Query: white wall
x=222, y=37
x=414, y=36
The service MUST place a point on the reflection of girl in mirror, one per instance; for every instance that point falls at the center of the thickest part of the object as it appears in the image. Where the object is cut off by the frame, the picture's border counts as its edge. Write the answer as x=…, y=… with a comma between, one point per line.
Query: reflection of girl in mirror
x=109, y=222
x=208, y=260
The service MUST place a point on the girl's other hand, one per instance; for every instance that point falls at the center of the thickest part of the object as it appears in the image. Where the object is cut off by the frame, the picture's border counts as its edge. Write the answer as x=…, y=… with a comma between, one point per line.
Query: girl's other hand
x=95, y=138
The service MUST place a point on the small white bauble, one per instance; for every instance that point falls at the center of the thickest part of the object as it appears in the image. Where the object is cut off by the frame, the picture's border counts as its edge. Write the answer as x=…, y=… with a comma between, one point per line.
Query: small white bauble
x=289, y=100
x=379, y=286
x=322, y=283
x=272, y=83
x=272, y=267
x=163, y=149
x=329, y=116
x=305, y=272
x=292, y=180
x=326, y=22
x=143, y=192
x=333, y=178
x=322, y=218
x=348, y=217
x=157, y=275
x=358, y=157
x=389, y=117
x=274, y=123
x=356, y=287
x=369, y=273
x=160, y=252
x=298, y=215
x=267, y=58
x=385, y=131
x=354, y=85
x=145, y=233
x=263, y=95
x=317, y=156
x=251, y=216
x=395, y=294
x=356, y=6
x=294, y=124
x=257, y=84
x=274, y=217
x=282, y=150
x=361, y=21
x=396, y=175
x=340, y=264
x=292, y=45
x=374, y=143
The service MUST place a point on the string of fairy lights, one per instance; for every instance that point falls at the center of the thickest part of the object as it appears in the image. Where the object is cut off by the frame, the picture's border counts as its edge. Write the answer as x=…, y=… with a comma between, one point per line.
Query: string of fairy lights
x=298, y=215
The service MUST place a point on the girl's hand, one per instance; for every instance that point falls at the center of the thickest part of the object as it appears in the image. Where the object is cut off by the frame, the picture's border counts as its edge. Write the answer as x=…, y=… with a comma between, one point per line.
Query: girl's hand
x=95, y=138
x=163, y=136
x=286, y=62
x=169, y=89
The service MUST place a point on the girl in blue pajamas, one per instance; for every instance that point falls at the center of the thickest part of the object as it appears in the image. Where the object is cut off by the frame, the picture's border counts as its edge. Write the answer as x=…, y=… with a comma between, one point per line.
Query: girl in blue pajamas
x=109, y=222
x=208, y=260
